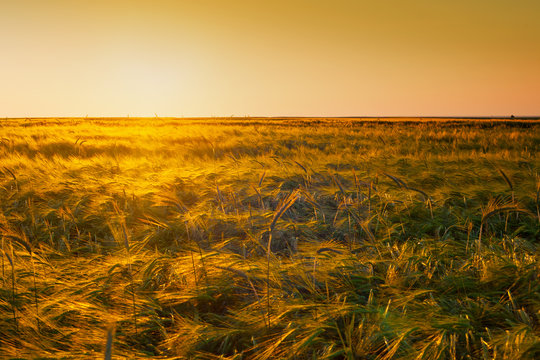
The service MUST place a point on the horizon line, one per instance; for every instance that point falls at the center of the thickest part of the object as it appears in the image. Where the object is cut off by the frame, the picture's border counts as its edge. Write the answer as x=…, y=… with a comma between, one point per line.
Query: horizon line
x=283, y=117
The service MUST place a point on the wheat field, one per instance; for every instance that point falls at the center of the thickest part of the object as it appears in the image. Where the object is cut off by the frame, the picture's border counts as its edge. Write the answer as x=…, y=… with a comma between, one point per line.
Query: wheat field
x=265, y=238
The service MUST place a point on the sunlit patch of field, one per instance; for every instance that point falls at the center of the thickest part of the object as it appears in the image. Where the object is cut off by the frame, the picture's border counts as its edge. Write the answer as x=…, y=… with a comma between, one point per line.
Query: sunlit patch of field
x=270, y=238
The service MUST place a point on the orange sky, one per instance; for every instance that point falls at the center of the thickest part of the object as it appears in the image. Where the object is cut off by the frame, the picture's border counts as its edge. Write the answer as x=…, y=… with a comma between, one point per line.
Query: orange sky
x=269, y=58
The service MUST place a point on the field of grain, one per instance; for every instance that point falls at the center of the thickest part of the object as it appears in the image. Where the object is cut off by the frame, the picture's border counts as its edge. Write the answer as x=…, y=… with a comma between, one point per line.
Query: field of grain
x=270, y=238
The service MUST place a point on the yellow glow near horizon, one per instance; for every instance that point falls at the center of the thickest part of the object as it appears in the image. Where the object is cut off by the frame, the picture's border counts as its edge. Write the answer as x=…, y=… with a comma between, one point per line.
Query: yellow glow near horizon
x=294, y=57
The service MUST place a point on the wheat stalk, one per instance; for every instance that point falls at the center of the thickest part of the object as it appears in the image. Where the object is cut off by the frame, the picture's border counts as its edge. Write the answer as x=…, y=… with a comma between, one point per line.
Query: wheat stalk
x=11, y=260
x=109, y=343
x=508, y=182
x=125, y=240
x=14, y=178
x=285, y=204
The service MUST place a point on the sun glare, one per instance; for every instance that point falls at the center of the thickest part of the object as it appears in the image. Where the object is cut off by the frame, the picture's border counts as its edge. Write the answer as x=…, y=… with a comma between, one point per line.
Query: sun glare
x=148, y=81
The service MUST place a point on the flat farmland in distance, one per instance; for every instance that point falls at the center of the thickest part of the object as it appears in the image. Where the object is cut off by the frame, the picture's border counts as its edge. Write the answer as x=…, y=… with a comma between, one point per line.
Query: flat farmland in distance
x=266, y=238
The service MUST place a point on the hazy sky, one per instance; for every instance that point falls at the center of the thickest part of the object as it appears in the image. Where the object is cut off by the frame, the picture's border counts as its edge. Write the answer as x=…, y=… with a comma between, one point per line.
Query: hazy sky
x=250, y=57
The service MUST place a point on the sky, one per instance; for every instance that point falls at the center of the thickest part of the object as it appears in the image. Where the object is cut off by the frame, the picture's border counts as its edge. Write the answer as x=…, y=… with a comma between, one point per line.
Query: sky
x=63, y=58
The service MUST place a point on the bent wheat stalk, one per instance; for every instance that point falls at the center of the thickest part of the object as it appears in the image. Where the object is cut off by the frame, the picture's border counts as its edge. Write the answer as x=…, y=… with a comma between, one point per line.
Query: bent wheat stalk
x=285, y=204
